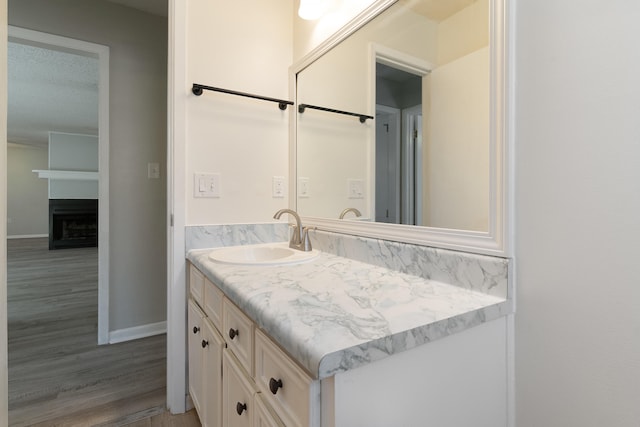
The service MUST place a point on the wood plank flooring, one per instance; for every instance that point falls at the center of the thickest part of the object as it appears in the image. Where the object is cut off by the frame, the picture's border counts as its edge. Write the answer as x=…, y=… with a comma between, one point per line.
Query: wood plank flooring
x=58, y=375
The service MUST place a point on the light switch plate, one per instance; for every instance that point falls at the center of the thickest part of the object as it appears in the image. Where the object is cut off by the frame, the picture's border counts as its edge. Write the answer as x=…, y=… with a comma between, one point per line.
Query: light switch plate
x=206, y=185
x=153, y=170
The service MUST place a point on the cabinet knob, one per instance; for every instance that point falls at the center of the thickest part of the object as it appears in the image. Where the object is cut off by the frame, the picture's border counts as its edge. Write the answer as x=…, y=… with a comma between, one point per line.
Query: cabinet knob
x=196, y=329
x=205, y=343
x=274, y=385
x=233, y=333
x=241, y=407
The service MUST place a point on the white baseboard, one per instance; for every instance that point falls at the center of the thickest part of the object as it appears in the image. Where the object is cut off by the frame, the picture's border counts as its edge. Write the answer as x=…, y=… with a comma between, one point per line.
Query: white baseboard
x=137, y=332
x=27, y=236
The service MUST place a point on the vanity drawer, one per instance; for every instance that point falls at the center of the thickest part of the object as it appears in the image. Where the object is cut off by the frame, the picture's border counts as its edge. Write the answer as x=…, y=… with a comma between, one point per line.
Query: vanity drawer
x=238, y=333
x=196, y=284
x=282, y=382
x=213, y=297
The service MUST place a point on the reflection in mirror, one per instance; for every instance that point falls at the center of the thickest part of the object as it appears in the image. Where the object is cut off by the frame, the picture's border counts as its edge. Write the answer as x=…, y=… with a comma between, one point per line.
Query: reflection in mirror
x=422, y=69
x=398, y=141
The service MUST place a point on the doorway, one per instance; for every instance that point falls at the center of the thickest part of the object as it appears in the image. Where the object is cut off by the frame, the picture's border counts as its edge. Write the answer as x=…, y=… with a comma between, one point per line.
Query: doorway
x=138, y=133
x=398, y=143
x=73, y=65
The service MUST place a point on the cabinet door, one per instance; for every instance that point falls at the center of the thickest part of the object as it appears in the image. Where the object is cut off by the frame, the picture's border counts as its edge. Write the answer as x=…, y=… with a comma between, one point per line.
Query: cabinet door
x=195, y=320
x=212, y=376
x=263, y=416
x=238, y=391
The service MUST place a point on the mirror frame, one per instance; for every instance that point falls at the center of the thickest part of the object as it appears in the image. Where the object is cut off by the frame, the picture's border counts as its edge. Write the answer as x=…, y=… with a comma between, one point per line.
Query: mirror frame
x=495, y=241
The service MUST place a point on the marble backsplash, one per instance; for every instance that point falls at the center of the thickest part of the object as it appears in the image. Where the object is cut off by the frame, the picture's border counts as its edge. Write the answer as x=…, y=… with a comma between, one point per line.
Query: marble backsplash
x=215, y=236
x=483, y=273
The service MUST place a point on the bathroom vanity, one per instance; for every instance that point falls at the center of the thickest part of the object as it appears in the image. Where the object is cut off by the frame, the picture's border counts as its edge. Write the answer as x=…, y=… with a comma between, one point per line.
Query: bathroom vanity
x=341, y=341
x=401, y=320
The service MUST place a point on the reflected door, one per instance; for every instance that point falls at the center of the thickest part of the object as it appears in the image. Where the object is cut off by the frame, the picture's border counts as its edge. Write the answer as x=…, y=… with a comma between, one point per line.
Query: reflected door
x=387, y=183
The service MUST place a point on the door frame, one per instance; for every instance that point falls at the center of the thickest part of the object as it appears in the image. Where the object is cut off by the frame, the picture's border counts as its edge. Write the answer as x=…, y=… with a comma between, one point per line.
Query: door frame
x=177, y=90
x=100, y=52
x=394, y=115
x=412, y=152
x=402, y=61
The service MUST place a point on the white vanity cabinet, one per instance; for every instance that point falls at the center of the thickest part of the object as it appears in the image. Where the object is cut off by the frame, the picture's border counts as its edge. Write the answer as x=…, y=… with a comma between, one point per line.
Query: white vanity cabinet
x=233, y=366
x=205, y=347
x=457, y=380
x=195, y=320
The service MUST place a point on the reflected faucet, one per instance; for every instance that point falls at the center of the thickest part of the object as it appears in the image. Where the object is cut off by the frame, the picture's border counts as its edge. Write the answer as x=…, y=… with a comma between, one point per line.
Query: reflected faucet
x=346, y=211
x=299, y=235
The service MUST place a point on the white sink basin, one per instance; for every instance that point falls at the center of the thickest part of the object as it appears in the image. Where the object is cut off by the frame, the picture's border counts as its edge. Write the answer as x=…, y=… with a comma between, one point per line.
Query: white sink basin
x=263, y=254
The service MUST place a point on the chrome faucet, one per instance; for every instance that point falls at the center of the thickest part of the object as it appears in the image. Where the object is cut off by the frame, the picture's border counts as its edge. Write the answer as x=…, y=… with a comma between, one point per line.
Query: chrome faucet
x=299, y=235
x=346, y=211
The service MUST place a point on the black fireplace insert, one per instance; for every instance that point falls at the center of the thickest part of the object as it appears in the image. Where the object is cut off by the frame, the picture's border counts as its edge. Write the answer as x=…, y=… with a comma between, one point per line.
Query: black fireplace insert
x=73, y=223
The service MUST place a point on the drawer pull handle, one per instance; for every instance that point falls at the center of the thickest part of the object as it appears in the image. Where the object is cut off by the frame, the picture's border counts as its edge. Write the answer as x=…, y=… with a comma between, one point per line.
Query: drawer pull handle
x=205, y=343
x=196, y=329
x=241, y=407
x=233, y=333
x=274, y=385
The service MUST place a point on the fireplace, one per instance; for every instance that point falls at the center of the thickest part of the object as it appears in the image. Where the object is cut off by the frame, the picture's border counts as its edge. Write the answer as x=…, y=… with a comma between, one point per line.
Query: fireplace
x=73, y=223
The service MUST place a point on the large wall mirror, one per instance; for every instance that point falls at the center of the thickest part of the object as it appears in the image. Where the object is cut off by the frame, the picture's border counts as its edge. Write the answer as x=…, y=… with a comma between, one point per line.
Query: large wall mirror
x=400, y=125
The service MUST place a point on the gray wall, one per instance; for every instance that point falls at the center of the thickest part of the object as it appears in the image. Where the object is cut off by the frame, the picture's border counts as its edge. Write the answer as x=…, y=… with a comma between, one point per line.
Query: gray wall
x=138, y=56
x=3, y=218
x=577, y=198
x=27, y=195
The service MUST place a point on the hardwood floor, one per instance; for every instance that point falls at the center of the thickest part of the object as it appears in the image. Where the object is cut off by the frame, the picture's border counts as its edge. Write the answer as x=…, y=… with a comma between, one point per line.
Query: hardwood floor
x=58, y=375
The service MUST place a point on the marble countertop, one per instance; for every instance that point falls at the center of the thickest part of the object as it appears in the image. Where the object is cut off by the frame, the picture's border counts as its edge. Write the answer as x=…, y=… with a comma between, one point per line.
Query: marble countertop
x=333, y=314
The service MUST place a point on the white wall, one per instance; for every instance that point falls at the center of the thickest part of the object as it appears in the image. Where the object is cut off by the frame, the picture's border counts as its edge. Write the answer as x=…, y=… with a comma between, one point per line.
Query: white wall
x=245, y=47
x=456, y=155
x=577, y=213
x=27, y=196
x=138, y=53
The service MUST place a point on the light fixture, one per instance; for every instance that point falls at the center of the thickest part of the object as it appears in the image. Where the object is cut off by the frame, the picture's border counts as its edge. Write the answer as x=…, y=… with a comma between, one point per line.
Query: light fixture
x=311, y=9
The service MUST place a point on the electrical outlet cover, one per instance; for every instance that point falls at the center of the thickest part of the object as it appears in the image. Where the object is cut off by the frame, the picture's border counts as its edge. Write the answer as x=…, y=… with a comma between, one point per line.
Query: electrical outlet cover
x=303, y=187
x=278, y=186
x=355, y=189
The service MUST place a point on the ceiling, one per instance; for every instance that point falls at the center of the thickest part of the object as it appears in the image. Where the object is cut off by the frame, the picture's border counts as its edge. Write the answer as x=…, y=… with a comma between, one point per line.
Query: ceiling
x=51, y=90
x=437, y=10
